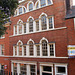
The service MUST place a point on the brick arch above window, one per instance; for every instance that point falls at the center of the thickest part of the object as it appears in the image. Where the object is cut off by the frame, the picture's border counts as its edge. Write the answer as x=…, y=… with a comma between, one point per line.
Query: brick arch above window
x=20, y=42
x=30, y=40
x=43, y=39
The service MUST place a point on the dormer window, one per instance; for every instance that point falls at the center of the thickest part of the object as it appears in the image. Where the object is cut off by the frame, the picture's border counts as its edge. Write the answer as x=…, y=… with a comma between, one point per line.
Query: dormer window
x=30, y=7
x=20, y=10
x=43, y=3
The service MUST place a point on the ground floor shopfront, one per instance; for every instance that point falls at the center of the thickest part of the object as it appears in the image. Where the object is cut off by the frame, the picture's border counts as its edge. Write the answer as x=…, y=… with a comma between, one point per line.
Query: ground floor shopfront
x=37, y=66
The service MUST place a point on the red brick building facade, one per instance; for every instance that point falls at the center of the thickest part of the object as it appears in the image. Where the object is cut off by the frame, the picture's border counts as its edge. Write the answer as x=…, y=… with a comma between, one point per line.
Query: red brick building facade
x=38, y=38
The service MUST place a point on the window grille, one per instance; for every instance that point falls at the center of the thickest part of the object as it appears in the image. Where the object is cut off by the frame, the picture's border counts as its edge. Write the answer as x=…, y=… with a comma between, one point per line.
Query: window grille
x=43, y=22
x=44, y=48
x=31, y=48
x=30, y=25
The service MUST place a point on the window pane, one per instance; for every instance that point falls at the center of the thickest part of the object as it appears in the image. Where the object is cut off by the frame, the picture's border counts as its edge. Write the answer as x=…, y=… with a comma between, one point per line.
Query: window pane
x=15, y=29
x=61, y=70
x=44, y=48
x=43, y=22
x=23, y=69
x=51, y=49
x=50, y=23
x=20, y=28
x=31, y=48
x=25, y=50
x=32, y=70
x=38, y=50
x=24, y=28
x=46, y=74
x=30, y=7
x=20, y=49
x=37, y=25
x=43, y=3
x=30, y=25
x=49, y=2
x=47, y=68
x=20, y=10
x=15, y=68
x=15, y=50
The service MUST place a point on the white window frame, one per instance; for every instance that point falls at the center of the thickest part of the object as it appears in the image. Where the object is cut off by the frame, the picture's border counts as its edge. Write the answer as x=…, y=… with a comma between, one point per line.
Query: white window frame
x=28, y=6
x=28, y=63
x=45, y=64
x=61, y=65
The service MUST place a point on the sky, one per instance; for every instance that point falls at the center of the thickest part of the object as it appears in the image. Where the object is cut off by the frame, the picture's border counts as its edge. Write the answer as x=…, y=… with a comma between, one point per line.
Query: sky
x=73, y=2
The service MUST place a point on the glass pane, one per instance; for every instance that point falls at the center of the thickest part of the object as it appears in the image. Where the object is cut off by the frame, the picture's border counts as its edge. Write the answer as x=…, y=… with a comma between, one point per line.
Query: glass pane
x=44, y=22
x=31, y=48
x=61, y=69
x=46, y=74
x=20, y=10
x=31, y=25
x=47, y=68
x=30, y=6
x=44, y=48
x=43, y=3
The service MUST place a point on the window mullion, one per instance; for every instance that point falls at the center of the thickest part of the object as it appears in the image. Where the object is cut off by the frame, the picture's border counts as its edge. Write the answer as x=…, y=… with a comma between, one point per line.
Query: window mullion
x=48, y=50
x=34, y=48
x=46, y=2
x=41, y=50
x=17, y=29
x=18, y=69
x=17, y=50
x=22, y=51
x=13, y=51
x=27, y=27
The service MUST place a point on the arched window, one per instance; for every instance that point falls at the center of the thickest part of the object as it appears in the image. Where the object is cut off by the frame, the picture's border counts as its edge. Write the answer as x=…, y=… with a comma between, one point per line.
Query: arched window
x=43, y=22
x=30, y=7
x=44, y=48
x=20, y=48
x=30, y=25
x=31, y=51
x=20, y=24
x=43, y=3
x=20, y=10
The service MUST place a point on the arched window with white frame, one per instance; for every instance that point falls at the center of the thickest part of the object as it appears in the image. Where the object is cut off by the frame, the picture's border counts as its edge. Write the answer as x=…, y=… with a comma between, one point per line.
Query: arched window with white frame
x=30, y=6
x=20, y=45
x=20, y=10
x=43, y=3
x=43, y=22
x=31, y=48
x=20, y=26
x=44, y=48
x=30, y=25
